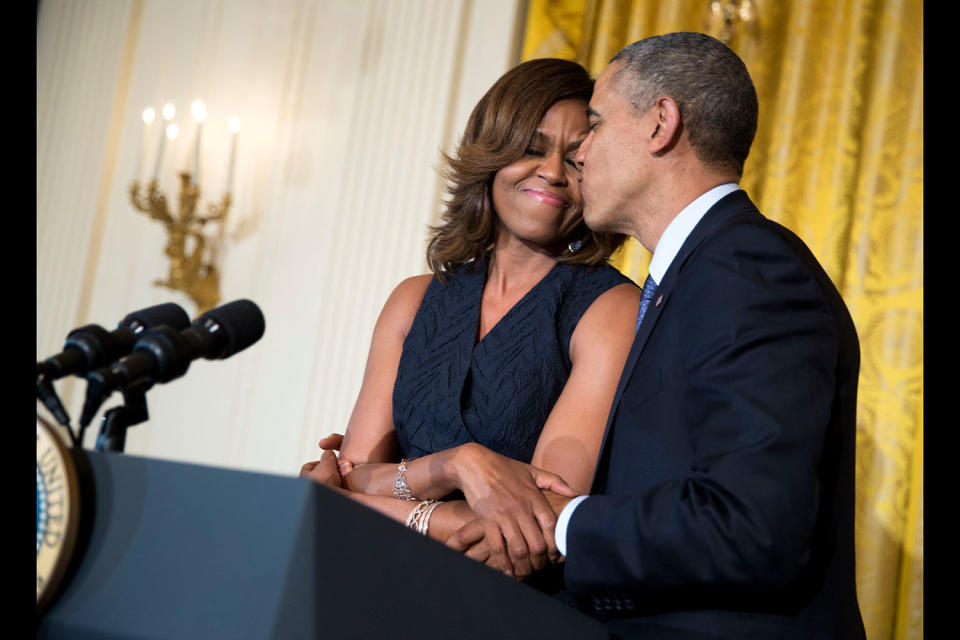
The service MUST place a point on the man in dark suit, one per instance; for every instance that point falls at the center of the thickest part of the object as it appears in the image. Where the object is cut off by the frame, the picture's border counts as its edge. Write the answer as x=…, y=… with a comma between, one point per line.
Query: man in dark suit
x=722, y=503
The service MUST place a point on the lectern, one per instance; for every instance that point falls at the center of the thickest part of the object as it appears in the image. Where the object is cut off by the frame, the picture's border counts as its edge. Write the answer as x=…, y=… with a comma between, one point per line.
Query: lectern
x=176, y=550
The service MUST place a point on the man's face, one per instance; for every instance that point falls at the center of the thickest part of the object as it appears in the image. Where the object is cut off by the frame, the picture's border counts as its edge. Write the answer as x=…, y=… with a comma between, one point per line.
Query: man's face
x=613, y=159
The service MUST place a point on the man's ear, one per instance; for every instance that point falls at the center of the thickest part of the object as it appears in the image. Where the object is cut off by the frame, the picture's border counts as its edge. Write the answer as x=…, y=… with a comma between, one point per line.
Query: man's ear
x=667, y=127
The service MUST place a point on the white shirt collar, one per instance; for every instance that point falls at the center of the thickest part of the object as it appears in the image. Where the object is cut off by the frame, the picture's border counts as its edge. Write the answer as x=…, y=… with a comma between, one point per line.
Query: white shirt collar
x=680, y=227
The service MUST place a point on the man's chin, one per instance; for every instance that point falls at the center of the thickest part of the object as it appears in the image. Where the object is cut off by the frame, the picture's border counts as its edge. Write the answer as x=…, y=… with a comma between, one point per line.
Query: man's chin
x=594, y=220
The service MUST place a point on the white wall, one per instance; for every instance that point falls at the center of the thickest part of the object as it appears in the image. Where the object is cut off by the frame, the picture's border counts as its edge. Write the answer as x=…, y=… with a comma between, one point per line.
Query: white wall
x=345, y=106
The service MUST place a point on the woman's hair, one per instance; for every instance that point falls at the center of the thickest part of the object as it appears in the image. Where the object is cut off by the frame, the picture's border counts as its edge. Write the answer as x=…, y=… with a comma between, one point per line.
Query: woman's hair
x=498, y=133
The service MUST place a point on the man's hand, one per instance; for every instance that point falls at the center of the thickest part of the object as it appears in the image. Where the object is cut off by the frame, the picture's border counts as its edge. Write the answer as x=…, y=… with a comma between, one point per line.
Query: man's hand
x=470, y=539
x=514, y=531
x=325, y=470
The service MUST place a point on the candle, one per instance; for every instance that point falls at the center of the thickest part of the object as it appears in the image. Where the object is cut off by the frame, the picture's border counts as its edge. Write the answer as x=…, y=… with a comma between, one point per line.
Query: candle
x=172, y=132
x=168, y=112
x=199, y=110
x=148, y=116
x=234, y=128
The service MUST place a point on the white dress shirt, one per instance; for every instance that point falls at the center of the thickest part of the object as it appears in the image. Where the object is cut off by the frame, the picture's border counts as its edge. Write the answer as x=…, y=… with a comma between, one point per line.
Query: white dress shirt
x=663, y=254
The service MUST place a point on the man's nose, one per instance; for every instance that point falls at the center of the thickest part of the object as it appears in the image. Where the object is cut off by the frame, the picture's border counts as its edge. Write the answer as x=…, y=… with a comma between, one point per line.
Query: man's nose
x=579, y=158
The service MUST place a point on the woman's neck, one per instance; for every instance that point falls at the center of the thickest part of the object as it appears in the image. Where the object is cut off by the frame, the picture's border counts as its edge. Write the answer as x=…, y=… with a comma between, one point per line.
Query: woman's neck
x=515, y=268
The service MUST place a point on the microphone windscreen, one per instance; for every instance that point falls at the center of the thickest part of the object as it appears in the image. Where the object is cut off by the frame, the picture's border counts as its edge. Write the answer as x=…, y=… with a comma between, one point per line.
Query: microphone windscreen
x=169, y=314
x=241, y=322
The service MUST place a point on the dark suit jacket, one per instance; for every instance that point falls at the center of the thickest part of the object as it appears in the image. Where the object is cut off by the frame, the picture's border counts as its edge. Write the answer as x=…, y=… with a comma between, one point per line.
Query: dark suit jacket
x=722, y=504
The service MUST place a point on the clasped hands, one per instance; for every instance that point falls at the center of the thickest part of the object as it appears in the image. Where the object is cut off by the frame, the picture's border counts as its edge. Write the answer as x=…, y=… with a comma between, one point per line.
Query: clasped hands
x=516, y=506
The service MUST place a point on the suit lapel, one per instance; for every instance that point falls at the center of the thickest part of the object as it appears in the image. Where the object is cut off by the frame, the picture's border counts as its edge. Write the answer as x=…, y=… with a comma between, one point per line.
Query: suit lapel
x=726, y=210
x=639, y=341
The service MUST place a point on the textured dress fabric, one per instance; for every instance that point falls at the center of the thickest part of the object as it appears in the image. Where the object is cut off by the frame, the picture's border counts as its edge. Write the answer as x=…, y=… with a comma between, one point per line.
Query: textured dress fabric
x=451, y=389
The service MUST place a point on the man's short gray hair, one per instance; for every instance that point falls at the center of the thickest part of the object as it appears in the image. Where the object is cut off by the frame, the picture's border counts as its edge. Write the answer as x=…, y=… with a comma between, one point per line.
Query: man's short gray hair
x=709, y=83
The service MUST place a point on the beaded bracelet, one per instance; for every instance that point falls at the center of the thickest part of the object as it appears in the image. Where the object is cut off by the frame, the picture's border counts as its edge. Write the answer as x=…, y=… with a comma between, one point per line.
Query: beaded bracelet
x=400, y=487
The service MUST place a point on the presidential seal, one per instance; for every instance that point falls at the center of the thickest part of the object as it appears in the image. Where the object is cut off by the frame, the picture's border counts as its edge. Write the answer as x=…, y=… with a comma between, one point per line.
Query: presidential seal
x=58, y=511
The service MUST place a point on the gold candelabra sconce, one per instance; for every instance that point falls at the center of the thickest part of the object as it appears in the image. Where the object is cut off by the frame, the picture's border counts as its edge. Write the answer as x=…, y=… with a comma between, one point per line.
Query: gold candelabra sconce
x=195, y=238
x=726, y=14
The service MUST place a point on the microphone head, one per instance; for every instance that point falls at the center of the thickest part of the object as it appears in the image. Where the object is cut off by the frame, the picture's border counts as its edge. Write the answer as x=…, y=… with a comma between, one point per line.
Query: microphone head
x=169, y=314
x=240, y=323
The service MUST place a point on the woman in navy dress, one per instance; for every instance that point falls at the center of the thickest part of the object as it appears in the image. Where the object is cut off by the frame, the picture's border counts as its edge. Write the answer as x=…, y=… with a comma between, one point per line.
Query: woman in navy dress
x=491, y=378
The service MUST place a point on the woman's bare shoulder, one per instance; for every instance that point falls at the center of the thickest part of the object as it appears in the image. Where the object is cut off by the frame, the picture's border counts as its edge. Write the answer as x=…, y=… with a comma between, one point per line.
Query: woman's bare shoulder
x=404, y=302
x=410, y=291
x=414, y=285
x=610, y=319
x=619, y=301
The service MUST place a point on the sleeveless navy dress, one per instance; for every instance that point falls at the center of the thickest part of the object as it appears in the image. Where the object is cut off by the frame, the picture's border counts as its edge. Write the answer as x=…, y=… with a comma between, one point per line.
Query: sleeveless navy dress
x=498, y=392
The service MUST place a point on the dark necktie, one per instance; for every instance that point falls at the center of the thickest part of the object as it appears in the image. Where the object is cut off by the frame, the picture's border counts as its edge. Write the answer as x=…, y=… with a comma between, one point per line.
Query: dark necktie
x=649, y=288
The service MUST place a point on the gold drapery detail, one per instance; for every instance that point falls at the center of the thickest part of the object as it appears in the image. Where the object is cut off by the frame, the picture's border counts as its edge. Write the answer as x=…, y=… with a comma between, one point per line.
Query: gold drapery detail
x=837, y=159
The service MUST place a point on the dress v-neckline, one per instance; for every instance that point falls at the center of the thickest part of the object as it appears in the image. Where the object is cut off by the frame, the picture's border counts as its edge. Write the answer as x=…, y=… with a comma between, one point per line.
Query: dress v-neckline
x=483, y=283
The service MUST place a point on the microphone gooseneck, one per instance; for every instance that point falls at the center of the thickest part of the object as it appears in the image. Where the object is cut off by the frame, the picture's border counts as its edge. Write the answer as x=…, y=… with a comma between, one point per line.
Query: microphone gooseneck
x=92, y=346
x=162, y=354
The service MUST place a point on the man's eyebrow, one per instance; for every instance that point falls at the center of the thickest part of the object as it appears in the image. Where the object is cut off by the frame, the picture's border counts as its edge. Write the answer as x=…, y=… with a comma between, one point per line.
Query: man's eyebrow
x=591, y=113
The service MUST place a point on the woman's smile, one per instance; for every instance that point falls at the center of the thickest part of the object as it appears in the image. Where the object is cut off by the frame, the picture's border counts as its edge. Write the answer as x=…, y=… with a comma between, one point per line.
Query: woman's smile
x=546, y=197
x=544, y=175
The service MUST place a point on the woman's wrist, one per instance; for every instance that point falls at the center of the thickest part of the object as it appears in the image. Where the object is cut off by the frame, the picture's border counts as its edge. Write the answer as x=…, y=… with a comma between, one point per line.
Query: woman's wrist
x=432, y=476
x=357, y=479
x=448, y=517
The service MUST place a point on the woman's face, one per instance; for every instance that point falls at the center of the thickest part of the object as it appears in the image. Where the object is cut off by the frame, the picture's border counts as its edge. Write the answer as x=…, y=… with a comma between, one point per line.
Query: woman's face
x=537, y=194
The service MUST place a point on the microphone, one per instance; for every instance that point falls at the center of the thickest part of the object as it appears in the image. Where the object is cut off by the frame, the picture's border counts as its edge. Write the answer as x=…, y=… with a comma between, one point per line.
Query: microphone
x=91, y=346
x=162, y=354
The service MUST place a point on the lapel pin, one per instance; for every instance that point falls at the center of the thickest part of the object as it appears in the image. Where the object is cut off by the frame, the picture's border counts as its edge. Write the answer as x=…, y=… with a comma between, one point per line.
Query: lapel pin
x=659, y=300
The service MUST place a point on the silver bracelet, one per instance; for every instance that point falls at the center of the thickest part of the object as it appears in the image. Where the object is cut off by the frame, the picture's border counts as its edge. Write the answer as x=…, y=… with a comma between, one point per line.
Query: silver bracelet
x=419, y=518
x=425, y=520
x=413, y=520
x=400, y=487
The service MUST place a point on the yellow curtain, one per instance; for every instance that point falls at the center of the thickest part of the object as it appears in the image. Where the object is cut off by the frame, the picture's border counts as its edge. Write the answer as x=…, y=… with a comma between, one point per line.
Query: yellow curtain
x=837, y=159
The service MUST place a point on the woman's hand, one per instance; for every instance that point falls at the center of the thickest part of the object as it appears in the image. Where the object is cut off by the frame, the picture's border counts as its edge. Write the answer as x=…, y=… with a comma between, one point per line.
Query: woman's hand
x=516, y=518
x=333, y=442
x=324, y=470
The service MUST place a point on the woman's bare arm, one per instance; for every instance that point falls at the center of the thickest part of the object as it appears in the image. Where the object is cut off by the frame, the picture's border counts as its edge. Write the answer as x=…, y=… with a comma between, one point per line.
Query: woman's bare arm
x=570, y=441
x=369, y=452
x=445, y=519
x=370, y=435
x=498, y=488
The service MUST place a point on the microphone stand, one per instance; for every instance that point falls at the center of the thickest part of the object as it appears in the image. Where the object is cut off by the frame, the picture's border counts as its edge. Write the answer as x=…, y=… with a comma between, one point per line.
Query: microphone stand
x=116, y=421
x=48, y=395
